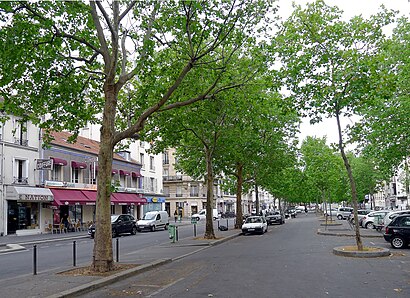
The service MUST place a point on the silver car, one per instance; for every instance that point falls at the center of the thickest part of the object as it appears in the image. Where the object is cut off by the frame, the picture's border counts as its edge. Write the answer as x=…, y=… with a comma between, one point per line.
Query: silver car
x=373, y=219
x=391, y=215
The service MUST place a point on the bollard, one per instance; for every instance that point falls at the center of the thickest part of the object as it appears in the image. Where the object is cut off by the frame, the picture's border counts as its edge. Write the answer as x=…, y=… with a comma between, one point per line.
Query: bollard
x=218, y=224
x=117, y=251
x=34, y=259
x=227, y=223
x=74, y=254
x=194, y=230
x=171, y=231
x=176, y=233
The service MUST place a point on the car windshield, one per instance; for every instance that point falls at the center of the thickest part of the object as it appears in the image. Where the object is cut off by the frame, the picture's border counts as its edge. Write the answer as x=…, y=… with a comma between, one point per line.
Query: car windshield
x=149, y=216
x=253, y=220
x=114, y=218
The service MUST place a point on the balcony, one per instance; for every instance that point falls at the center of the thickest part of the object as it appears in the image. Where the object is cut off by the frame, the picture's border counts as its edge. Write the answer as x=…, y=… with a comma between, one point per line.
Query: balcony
x=172, y=178
x=21, y=142
x=178, y=195
x=20, y=180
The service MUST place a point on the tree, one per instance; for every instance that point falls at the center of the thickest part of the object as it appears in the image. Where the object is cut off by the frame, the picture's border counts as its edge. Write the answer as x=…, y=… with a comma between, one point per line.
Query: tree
x=329, y=66
x=117, y=65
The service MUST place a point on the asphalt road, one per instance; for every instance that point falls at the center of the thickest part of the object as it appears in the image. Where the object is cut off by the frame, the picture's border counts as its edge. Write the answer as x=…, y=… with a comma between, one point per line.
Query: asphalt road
x=58, y=256
x=289, y=261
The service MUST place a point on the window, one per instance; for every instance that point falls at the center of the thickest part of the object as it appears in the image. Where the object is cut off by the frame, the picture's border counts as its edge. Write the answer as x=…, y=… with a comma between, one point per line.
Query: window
x=178, y=191
x=75, y=173
x=56, y=173
x=166, y=190
x=142, y=159
x=165, y=158
x=152, y=184
x=194, y=191
x=20, y=133
x=20, y=171
x=151, y=163
x=165, y=172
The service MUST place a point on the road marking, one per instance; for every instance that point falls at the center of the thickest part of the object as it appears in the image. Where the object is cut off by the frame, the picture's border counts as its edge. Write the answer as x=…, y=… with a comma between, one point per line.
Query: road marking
x=166, y=287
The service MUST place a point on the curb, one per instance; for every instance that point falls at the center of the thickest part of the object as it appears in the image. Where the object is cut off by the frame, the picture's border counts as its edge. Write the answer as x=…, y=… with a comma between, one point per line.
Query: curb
x=382, y=252
x=130, y=272
x=320, y=232
x=108, y=280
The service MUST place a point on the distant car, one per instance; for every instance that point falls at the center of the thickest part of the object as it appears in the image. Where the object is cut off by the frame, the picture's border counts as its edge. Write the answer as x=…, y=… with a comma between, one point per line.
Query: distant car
x=331, y=212
x=373, y=219
x=289, y=213
x=361, y=213
x=397, y=232
x=255, y=224
x=275, y=218
x=120, y=224
x=344, y=212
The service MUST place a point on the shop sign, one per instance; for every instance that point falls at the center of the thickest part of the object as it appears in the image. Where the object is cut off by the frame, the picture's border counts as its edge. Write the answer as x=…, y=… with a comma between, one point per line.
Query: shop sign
x=31, y=197
x=44, y=164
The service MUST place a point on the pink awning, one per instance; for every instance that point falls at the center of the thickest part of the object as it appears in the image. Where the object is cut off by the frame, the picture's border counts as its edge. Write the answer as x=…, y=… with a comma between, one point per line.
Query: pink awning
x=114, y=171
x=78, y=165
x=128, y=198
x=124, y=173
x=59, y=161
x=68, y=197
x=135, y=174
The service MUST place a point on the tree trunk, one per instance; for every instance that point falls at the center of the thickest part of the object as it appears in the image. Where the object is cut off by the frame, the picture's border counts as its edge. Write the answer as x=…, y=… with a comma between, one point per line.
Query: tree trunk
x=239, y=214
x=352, y=185
x=102, y=253
x=257, y=199
x=209, y=228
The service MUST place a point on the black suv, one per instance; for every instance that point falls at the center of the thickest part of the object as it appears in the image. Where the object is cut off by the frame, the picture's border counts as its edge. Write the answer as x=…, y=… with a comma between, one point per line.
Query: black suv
x=398, y=231
x=122, y=223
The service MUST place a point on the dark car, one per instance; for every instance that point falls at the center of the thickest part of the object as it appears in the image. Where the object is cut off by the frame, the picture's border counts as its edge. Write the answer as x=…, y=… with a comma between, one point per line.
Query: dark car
x=398, y=231
x=275, y=218
x=121, y=224
x=290, y=213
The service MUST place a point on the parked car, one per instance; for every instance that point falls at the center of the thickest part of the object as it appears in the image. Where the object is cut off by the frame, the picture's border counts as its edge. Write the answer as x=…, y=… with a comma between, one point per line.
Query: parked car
x=344, y=212
x=228, y=214
x=397, y=232
x=275, y=217
x=389, y=216
x=153, y=220
x=291, y=212
x=361, y=213
x=332, y=212
x=255, y=224
x=201, y=215
x=373, y=219
x=120, y=224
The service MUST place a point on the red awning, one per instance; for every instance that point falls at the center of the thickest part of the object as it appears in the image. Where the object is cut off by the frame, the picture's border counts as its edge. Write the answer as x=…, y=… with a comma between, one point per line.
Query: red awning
x=78, y=165
x=135, y=174
x=69, y=197
x=114, y=171
x=124, y=173
x=128, y=198
x=59, y=161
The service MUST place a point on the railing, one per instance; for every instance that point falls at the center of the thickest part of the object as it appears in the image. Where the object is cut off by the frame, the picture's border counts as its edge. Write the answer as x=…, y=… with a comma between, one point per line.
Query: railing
x=20, y=180
x=172, y=178
x=21, y=142
x=178, y=195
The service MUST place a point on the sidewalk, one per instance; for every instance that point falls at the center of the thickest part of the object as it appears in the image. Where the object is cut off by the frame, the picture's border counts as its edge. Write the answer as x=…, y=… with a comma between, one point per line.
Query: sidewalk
x=52, y=284
x=343, y=229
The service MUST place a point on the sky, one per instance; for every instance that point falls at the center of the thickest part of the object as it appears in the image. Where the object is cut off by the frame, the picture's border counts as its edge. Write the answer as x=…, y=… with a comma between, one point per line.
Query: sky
x=328, y=127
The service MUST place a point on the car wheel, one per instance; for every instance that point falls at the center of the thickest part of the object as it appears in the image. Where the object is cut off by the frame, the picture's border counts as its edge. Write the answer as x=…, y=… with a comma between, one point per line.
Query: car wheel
x=114, y=233
x=369, y=225
x=134, y=230
x=153, y=229
x=339, y=217
x=397, y=242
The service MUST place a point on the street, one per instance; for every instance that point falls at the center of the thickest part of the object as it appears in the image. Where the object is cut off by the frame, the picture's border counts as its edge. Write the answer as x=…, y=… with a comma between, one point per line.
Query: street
x=58, y=256
x=291, y=260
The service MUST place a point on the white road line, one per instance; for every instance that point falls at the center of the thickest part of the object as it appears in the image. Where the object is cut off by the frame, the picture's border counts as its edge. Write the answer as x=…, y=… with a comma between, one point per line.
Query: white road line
x=166, y=287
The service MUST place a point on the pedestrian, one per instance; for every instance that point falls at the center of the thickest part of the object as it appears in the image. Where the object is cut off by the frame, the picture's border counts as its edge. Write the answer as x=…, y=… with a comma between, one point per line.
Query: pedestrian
x=176, y=215
x=306, y=211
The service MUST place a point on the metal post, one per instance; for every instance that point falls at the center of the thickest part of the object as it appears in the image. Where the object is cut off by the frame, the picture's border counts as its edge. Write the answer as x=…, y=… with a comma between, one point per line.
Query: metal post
x=227, y=223
x=74, y=254
x=176, y=233
x=118, y=250
x=218, y=224
x=34, y=259
x=194, y=230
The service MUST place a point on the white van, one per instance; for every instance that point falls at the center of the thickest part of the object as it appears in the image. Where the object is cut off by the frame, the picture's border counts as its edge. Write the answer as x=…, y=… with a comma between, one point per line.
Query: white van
x=202, y=215
x=153, y=220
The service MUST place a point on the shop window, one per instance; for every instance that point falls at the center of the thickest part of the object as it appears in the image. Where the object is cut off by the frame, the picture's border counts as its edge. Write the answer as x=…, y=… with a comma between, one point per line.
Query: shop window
x=75, y=213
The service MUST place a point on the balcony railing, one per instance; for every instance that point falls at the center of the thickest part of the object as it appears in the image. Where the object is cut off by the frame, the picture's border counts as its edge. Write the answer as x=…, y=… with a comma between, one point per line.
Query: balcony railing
x=178, y=195
x=20, y=180
x=172, y=178
x=21, y=142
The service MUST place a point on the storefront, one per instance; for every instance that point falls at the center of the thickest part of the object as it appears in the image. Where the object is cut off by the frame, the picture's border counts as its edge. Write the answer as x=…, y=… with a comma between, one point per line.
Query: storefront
x=27, y=209
x=155, y=204
x=79, y=205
